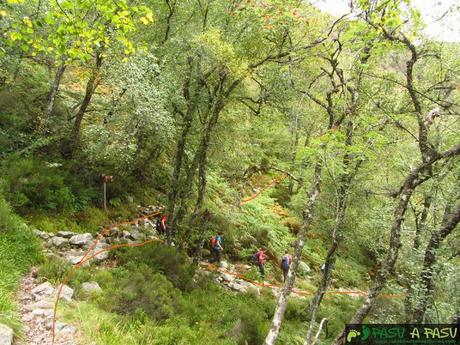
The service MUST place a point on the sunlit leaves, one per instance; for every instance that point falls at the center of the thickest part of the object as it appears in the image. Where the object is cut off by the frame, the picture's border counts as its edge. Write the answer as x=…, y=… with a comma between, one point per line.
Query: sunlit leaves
x=75, y=29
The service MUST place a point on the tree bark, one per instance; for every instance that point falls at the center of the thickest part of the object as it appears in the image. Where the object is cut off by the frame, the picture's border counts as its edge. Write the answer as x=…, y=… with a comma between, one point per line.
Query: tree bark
x=54, y=90
x=426, y=275
x=342, y=201
x=421, y=224
x=180, y=151
x=416, y=177
x=290, y=279
x=91, y=86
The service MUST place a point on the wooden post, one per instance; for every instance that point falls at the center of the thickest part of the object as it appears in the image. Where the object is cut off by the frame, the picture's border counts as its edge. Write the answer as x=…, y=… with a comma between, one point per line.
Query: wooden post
x=105, y=179
x=105, y=196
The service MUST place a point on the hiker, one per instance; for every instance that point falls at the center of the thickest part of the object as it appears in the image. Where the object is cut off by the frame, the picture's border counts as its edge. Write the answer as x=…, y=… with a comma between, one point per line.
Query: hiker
x=286, y=260
x=161, y=224
x=216, y=247
x=259, y=258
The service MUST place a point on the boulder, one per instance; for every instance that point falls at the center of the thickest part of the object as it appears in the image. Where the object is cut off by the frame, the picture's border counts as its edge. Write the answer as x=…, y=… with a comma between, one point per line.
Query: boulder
x=43, y=290
x=205, y=253
x=126, y=234
x=101, y=256
x=81, y=240
x=65, y=234
x=66, y=293
x=136, y=235
x=59, y=242
x=6, y=335
x=90, y=288
x=303, y=269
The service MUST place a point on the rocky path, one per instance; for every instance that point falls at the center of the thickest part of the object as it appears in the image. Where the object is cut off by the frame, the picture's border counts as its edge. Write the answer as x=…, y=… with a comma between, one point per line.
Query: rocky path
x=36, y=303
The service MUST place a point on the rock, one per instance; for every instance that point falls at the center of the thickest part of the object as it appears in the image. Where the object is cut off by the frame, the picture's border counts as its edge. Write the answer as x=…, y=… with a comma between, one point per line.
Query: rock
x=303, y=269
x=90, y=288
x=205, y=253
x=42, y=234
x=136, y=235
x=43, y=290
x=6, y=335
x=101, y=256
x=227, y=277
x=224, y=264
x=76, y=259
x=126, y=234
x=28, y=317
x=65, y=234
x=59, y=242
x=45, y=313
x=81, y=240
x=41, y=304
x=66, y=293
x=236, y=286
x=68, y=329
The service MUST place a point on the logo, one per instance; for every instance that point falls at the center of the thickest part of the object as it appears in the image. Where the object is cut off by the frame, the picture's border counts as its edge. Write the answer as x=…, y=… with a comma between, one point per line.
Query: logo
x=386, y=334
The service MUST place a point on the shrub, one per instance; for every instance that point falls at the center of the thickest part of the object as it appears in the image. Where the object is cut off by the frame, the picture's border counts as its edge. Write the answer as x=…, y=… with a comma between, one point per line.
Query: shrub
x=163, y=259
x=141, y=290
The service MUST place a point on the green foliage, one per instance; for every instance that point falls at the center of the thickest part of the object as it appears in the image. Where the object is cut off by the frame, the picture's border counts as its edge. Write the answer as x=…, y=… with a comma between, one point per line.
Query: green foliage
x=140, y=290
x=40, y=185
x=163, y=259
x=75, y=29
x=53, y=269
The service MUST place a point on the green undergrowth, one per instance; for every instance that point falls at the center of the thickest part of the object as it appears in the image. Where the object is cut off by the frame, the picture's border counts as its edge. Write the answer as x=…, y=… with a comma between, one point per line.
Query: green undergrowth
x=154, y=296
x=19, y=250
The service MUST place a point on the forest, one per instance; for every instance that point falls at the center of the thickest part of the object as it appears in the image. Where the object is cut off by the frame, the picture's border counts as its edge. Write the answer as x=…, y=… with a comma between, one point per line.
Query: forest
x=288, y=131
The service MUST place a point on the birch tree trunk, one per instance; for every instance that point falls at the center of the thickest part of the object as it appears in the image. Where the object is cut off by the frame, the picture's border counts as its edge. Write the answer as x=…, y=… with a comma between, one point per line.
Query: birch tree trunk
x=417, y=176
x=54, y=90
x=426, y=275
x=290, y=279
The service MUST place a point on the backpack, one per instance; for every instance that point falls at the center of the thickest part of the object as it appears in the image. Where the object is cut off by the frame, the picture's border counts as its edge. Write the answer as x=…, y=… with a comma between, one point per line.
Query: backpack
x=158, y=225
x=255, y=258
x=285, y=262
x=213, y=242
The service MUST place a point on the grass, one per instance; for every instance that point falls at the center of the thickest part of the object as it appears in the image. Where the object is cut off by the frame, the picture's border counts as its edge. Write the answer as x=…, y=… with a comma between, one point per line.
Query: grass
x=92, y=219
x=19, y=250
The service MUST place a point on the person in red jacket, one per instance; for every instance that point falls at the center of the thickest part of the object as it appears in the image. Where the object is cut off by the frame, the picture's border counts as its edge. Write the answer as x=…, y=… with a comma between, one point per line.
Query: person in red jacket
x=260, y=259
x=161, y=224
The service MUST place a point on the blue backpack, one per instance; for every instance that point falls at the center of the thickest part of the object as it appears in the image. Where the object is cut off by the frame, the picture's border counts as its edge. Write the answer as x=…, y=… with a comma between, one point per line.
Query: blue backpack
x=284, y=262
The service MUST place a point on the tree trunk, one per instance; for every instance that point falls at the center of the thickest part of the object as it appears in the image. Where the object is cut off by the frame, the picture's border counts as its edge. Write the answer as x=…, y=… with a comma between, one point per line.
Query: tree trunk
x=90, y=89
x=289, y=284
x=426, y=275
x=422, y=223
x=54, y=90
x=414, y=179
x=174, y=189
x=342, y=200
